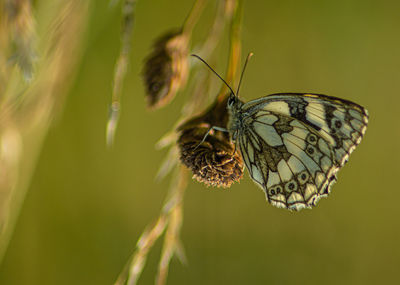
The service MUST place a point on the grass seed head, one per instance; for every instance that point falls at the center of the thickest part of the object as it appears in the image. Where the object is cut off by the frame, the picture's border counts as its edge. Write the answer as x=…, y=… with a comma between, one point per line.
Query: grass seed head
x=165, y=70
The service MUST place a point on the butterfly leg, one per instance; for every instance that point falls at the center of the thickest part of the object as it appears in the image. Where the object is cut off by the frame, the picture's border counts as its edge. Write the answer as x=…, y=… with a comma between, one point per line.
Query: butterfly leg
x=208, y=132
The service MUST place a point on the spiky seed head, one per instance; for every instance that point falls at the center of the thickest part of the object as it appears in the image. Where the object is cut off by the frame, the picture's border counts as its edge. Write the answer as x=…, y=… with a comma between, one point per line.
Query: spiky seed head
x=214, y=161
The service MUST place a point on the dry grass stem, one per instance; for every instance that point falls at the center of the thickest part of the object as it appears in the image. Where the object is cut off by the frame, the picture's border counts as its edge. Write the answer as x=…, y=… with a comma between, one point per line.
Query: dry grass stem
x=193, y=17
x=174, y=209
x=169, y=162
x=27, y=109
x=221, y=19
x=207, y=50
x=169, y=221
x=128, y=11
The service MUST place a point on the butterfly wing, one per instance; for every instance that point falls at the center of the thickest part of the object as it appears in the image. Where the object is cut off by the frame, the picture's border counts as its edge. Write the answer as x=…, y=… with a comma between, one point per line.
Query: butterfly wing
x=293, y=144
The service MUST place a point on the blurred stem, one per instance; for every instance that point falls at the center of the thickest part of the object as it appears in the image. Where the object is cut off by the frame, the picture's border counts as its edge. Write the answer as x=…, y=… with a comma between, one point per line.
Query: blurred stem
x=174, y=209
x=207, y=49
x=215, y=34
x=128, y=10
x=193, y=17
x=235, y=8
x=27, y=110
x=169, y=221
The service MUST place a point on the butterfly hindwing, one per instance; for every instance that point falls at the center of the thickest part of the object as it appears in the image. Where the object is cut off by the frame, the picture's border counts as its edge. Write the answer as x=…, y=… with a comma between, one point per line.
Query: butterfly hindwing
x=293, y=144
x=294, y=171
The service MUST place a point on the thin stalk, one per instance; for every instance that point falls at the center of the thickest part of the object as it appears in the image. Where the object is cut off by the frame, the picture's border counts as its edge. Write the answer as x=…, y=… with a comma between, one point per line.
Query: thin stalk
x=193, y=17
x=128, y=11
x=28, y=108
x=235, y=7
x=169, y=221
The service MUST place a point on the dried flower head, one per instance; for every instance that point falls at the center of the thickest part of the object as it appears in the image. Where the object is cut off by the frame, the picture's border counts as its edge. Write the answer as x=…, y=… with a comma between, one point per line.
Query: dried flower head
x=213, y=162
x=165, y=69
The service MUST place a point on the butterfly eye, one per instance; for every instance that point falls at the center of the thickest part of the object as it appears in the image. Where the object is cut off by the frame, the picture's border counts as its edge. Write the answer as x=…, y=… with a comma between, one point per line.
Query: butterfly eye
x=231, y=100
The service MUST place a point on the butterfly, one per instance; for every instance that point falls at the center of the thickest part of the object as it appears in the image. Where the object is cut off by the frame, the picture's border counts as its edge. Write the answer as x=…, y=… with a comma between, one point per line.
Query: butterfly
x=293, y=144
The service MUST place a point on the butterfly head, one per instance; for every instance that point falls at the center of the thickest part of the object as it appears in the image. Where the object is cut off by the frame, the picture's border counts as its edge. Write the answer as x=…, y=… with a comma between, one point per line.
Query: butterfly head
x=233, y=102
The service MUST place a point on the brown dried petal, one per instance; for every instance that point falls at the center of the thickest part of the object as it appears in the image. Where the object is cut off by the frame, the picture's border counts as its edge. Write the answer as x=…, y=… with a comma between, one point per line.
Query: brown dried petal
x=165, y=70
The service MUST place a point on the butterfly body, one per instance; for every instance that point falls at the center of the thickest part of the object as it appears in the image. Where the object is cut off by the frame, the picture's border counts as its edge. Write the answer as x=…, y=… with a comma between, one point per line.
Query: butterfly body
x=236, y=116
x=293, y=144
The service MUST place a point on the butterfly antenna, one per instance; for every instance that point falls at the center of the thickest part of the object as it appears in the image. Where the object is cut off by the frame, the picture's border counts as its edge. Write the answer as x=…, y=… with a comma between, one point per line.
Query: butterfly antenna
x=244, y=68
x=195, y=55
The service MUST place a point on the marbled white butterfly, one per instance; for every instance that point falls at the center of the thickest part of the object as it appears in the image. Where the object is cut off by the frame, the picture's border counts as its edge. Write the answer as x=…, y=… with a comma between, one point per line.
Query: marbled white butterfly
x=293, y=144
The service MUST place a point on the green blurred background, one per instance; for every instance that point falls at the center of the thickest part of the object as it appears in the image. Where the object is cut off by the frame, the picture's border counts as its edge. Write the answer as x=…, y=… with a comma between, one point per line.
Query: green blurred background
x=87, y=205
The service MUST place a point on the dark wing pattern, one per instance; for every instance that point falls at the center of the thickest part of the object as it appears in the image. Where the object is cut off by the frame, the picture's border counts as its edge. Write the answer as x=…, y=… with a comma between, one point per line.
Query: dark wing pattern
x=294, y=144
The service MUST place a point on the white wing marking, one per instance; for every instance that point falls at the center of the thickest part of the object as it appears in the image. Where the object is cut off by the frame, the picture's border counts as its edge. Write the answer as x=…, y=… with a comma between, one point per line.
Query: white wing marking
x=268, y=134
x=273, y=178
x=284, y=171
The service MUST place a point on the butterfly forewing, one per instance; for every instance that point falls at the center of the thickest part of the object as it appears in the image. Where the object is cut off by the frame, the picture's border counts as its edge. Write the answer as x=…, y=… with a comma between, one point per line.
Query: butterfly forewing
x=293, y=144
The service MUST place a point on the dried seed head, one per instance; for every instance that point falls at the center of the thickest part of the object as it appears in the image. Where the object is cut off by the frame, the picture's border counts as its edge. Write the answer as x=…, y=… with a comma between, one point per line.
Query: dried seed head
x=165, y=69
x=212, y=162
